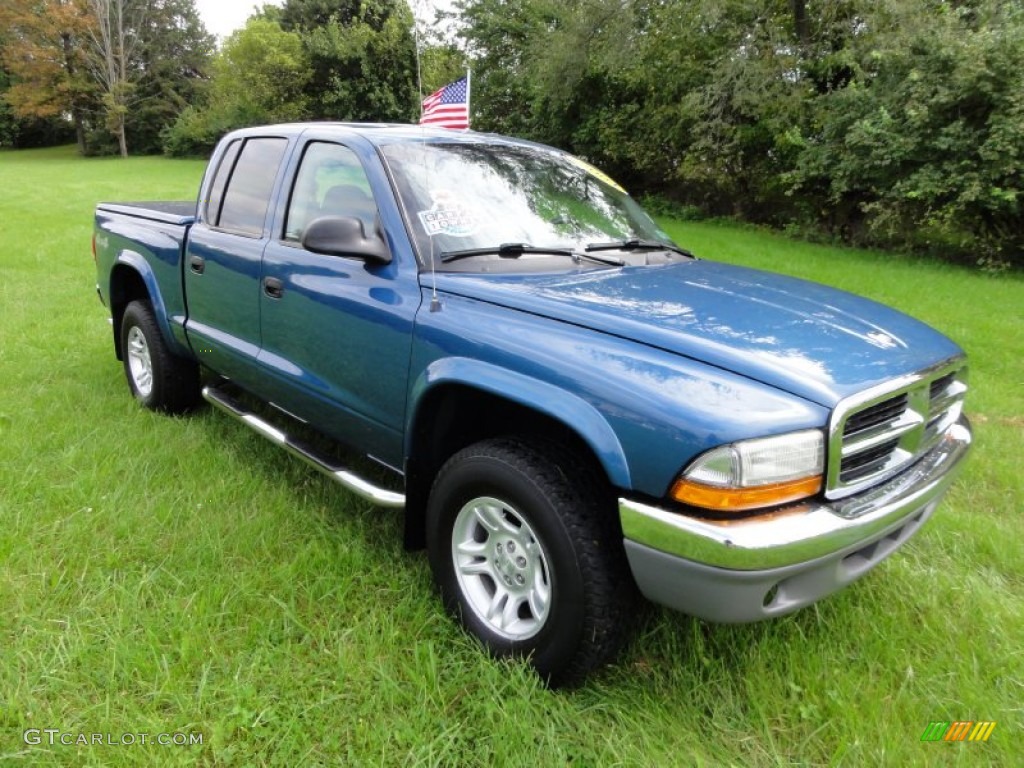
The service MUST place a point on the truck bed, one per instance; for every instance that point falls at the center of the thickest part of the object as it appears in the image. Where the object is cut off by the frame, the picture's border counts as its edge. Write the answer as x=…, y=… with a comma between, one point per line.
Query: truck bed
x=177, y=212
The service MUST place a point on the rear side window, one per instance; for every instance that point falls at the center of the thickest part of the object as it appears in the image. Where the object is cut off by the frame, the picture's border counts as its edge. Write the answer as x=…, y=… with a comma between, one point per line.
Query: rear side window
x=247, y=197
x=220, y=181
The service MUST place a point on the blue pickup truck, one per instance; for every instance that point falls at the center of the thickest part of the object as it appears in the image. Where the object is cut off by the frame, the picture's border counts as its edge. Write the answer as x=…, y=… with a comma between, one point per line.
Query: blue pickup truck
x=569, y=408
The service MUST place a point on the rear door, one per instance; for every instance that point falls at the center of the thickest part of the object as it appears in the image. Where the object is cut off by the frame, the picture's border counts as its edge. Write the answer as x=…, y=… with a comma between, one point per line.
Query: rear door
x=224, y=254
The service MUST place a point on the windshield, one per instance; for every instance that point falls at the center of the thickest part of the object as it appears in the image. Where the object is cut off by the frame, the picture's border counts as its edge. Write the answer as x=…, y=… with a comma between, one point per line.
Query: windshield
x=476, y=197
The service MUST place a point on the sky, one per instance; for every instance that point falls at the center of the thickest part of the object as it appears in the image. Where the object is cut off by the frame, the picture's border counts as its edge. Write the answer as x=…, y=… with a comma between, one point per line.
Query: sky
x=222, y=17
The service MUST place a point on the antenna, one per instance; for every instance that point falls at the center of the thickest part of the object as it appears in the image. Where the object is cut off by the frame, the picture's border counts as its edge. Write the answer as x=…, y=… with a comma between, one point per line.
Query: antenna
x=419, y=71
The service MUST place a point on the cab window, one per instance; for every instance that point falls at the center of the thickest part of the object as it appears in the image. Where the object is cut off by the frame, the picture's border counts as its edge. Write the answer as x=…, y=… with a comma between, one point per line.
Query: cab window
x=247, y=197
x=330, y=182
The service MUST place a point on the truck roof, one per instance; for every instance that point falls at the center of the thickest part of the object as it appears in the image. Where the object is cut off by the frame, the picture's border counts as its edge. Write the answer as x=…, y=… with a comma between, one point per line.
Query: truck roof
x=385, y=133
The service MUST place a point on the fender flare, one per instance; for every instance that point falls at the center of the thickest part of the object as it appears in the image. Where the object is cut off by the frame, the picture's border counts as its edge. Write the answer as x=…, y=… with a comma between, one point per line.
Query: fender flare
x=138, y=264
x=552, y=401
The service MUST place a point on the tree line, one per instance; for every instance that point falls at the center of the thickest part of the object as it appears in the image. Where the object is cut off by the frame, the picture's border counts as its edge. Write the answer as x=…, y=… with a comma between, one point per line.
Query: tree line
x=98, y=71
x=892, y=123
x=896, y=123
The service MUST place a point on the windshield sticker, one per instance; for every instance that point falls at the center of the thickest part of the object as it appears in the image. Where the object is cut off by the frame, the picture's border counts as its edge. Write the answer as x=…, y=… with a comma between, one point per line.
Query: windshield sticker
x=597, y=173
x=449, y=216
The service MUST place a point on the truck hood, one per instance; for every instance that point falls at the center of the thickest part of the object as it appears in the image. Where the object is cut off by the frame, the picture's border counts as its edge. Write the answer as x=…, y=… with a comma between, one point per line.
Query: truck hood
x=820, y=343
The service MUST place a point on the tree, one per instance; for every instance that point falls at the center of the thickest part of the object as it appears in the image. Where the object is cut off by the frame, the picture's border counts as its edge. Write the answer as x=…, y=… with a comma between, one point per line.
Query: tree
x=30, y=131
x=115, y=38
x=259, y=76
x=8, y=122
x=498, y=35
x=884, y=122
x=45, y=56
x=307, y=15
x=801, y=23
x=263, y=69
x=925, y=147
x=174, y=58
x=362, y=54
x=441, y=61
x=335, y=59
x=111, y=65
x=440, y=64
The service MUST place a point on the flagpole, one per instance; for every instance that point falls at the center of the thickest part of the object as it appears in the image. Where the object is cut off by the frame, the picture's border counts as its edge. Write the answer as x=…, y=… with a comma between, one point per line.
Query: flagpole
x=468, y=80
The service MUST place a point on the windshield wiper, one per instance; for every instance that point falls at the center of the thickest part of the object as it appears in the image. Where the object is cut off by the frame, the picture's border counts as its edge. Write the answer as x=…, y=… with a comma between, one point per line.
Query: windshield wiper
x=505, y=251
x=638, y=245
x=515, y=250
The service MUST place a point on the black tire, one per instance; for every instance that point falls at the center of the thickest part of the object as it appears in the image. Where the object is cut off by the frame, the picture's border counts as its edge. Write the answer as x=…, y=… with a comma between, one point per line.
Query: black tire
x=573, y=610
x=159, y=379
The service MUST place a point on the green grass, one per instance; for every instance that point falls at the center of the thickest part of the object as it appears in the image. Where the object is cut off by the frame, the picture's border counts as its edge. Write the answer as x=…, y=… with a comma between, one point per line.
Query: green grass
x=183, y=575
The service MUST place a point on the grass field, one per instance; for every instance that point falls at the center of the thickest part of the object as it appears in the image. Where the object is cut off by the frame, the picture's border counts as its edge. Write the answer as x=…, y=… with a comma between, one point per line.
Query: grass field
x=162, y=575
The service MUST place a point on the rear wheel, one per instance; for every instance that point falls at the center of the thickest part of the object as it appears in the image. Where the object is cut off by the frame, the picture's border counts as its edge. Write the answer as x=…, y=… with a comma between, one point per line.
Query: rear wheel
x=159, y=379
x=528, y=556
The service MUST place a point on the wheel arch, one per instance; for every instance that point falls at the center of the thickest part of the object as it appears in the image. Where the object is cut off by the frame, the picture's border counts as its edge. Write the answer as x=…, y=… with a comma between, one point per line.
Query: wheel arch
x=132, y=279
x=457, y=402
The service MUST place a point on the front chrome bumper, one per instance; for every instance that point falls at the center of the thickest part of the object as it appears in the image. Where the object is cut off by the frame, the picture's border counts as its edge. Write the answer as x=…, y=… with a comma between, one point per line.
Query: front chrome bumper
x=746, y=570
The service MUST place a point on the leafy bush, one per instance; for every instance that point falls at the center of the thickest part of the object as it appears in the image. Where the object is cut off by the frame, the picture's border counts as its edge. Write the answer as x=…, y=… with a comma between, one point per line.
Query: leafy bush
x=660, y=206
x=196, y=131
x=886, y=123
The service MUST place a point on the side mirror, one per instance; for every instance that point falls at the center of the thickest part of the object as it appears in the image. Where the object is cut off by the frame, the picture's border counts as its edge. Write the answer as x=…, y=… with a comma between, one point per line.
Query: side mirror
x=344, y=236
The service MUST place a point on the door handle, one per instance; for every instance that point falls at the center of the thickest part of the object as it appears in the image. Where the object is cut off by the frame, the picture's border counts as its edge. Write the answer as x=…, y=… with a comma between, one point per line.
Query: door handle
x=273, y=287
x=197, y=264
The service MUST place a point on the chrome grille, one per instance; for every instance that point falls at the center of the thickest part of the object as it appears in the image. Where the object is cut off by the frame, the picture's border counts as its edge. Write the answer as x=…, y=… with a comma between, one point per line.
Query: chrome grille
x=867, y=462
x=876, y=415
x=878, y=433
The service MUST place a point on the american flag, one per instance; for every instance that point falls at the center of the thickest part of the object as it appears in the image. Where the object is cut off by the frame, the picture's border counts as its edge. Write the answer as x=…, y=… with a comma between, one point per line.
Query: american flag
x=448, y=107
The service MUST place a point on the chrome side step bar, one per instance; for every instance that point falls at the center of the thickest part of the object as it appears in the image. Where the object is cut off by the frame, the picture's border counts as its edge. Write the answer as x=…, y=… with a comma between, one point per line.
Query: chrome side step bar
x=357, y=485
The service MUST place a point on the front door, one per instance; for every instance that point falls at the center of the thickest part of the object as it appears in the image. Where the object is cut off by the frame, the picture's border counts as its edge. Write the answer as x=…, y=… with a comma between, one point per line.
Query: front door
x=337, y=332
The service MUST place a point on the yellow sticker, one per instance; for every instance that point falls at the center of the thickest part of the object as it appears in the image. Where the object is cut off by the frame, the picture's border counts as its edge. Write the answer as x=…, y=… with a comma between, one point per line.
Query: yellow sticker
x=597, y=173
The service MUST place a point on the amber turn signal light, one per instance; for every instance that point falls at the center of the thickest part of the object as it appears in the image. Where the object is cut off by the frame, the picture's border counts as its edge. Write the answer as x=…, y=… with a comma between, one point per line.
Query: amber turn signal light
x=744, y=499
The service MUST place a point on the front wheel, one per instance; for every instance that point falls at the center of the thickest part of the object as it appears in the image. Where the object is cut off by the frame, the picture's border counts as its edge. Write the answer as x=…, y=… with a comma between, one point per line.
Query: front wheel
x=159, y=379
x=529, y=558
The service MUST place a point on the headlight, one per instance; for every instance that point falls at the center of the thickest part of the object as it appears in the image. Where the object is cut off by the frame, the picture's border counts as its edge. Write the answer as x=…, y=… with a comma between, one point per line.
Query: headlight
x=755, y=473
